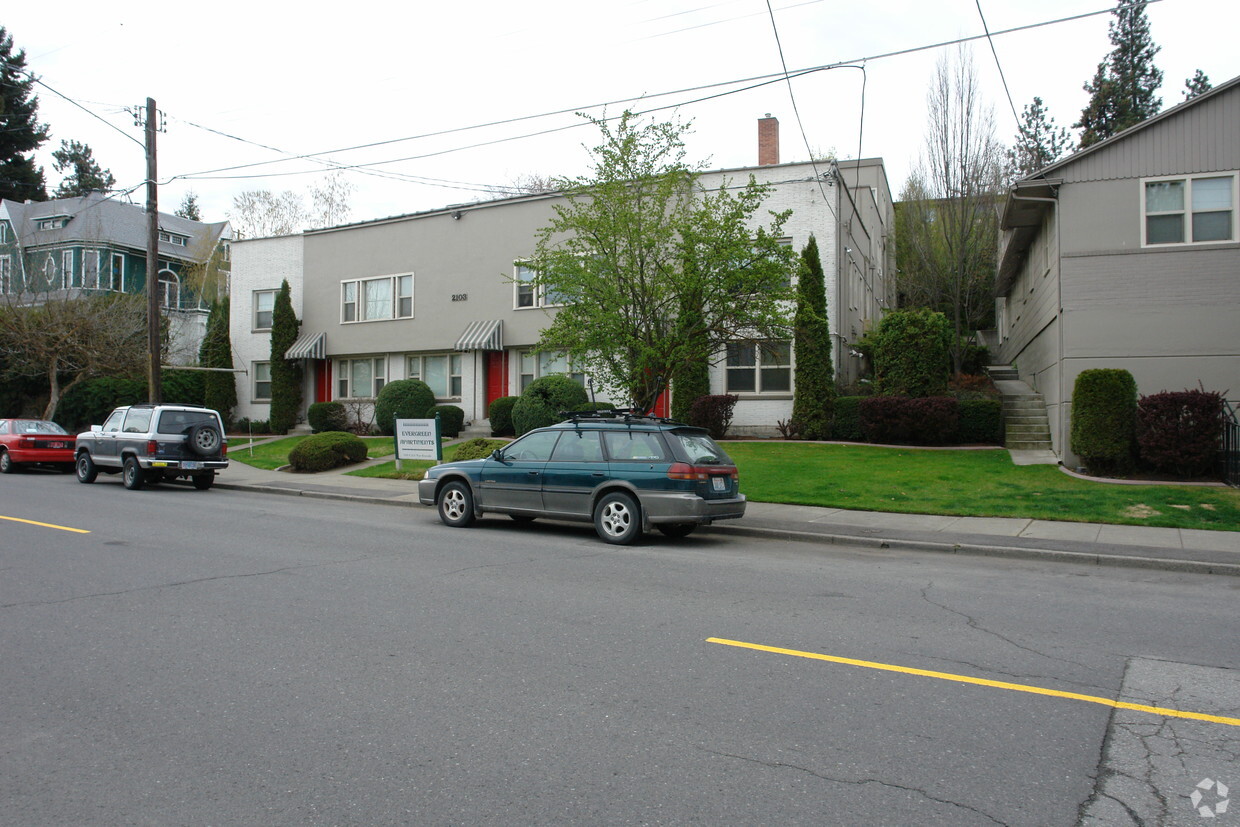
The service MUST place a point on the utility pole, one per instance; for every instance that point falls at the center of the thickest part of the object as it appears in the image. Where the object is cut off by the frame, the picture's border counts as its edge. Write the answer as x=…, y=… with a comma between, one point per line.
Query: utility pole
x=154, y=395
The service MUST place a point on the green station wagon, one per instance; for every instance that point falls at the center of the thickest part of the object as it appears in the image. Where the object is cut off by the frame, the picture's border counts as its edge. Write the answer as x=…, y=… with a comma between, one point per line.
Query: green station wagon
x=625, y=472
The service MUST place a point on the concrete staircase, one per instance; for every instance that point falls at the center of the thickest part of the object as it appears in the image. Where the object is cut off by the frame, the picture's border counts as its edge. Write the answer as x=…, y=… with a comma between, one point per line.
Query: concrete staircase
x=1026, y=426
x=477, y=428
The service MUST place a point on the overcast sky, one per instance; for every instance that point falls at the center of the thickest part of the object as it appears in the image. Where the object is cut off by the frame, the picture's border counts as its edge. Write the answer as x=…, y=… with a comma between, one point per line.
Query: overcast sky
x=260, y=82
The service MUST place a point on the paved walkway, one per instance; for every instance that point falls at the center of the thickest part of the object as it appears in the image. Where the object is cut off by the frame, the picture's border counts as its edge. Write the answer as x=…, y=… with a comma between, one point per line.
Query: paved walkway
x=1173, y=549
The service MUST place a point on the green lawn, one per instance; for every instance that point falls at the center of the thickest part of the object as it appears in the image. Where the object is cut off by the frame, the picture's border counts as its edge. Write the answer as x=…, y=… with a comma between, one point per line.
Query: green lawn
x=965, y=483
x=410, y=469
x=273, y=455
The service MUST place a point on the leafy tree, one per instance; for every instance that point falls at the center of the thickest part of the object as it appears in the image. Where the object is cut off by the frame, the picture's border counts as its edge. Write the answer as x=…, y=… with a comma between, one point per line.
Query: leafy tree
x=84, y=174
x=260, y=213
x=21, y=134
x=285, y=373
x=220, y=388
x=1124, y=89
x=189, y=207
x=1197, y=84
x=691, y=378
x=815, y=378
x=947, y=227
x=911, y=354
x=637, y=241
x=331, y=200
x=1039, y=143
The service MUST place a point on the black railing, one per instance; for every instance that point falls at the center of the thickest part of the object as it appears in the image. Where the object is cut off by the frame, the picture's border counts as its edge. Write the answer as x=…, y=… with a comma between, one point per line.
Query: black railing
x=1229, y=457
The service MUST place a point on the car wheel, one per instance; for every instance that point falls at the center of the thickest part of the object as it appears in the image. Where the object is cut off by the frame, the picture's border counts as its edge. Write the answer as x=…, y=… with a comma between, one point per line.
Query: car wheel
x=522, y=519
x=86, y=470
x=617, y=519
x=456, y=505
x=7, y=465
x=203, y=481
x=204, y=439
x=132, y=474
x=677, y=530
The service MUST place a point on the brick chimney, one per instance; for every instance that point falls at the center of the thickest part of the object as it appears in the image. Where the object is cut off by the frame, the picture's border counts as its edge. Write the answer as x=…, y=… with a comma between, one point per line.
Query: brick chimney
x=768, y=141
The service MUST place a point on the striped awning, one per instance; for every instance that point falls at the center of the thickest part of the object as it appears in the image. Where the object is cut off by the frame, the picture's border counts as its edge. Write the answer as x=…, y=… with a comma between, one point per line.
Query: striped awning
x=308, y=346
x=482, y=336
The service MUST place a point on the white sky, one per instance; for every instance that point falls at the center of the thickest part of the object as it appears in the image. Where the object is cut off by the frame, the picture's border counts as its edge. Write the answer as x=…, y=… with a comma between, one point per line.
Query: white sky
x=299, y=78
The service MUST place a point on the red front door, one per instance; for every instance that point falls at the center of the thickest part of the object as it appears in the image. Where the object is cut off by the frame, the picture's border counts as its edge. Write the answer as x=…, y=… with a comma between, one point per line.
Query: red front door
x=497, y=375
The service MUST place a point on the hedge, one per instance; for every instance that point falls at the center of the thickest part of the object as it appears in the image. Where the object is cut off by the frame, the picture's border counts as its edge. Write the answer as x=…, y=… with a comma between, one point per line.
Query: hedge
x=327, y=416
x=330, y=449
x=981, y=421
x=478, y=448
x=451, y=419
x=714, y=413
x=1104, y=420
x=402, y=399
x=931, y=420
x=1180, y=432
x=500, y=414
x=846, y=419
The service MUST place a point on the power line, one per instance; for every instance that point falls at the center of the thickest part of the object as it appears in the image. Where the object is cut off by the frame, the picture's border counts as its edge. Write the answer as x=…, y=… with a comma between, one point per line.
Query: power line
x=999, y=65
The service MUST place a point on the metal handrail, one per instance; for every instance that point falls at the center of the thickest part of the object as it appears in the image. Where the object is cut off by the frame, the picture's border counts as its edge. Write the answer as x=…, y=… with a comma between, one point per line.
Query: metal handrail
x=1229, y=456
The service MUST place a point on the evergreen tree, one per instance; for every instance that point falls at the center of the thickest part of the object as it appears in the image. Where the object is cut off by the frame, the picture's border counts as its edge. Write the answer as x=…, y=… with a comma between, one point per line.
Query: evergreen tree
x=1197, y=84
x=1124, y=89
x=285, y=373
x=189, y=207
x=21, y=133
x=220, y=389
x=1039, y=143
x=84, y=173
x=814, y=380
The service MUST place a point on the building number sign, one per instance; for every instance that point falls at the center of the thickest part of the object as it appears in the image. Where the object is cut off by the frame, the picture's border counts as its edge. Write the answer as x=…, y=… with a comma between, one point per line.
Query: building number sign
x=460, y=297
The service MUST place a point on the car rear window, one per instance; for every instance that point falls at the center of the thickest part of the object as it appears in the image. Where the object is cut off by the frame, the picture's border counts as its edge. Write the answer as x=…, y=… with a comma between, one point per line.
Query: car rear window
x=36, y=426
x=179, y=422
x=634, y=446
x=701, y=449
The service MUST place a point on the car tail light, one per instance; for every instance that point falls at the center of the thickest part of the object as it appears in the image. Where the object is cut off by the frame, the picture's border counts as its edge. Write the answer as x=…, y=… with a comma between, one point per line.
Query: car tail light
x=223, y=449
x=685, y=471
x=152, y=448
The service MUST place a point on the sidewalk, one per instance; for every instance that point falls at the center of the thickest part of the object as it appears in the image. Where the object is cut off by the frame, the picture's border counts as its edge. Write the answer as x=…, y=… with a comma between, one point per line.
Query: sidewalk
x=1169, y=549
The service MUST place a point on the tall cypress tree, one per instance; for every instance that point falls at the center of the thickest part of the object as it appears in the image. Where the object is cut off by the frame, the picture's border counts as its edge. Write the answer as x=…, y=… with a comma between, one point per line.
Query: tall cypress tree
x=20, y=131
x=814, y=392
x=219, y=388
x=285, y=373
x=1124, y=89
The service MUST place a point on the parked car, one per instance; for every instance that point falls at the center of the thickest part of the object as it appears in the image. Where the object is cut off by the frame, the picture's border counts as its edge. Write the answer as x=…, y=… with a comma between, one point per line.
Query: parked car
x=34, y=442
x=151, y=443
x=625, y=472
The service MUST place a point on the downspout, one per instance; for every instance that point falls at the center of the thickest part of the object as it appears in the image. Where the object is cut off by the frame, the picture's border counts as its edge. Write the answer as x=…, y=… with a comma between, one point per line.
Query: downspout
x=1063, y=418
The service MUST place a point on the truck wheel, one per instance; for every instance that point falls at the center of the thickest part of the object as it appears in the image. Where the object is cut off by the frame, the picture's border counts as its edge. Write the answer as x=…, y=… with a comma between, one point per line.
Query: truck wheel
x=132, y=474
x=86, y=470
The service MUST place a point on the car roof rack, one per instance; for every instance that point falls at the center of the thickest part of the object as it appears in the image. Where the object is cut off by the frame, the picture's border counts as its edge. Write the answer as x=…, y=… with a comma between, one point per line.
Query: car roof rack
x=627, y=415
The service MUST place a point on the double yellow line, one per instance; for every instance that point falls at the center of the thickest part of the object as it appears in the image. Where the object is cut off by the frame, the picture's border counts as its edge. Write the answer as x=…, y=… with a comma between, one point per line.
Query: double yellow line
x=45, y=525
x=1015, y=687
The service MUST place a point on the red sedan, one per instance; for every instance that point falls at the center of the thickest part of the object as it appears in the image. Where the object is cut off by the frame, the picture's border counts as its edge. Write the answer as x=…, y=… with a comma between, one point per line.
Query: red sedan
x=34, y=442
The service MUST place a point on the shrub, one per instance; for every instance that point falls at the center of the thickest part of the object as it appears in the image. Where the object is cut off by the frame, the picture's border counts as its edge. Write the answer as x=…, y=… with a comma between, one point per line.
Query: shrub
x=1104, y=420
x=451, y=419
x=846, y=421
x=931, y=420
x=327, y=416
x=402, y=399
x=500, y=414
x=1179, y=432
x=478, y=448
x=981, y=421
x=330, y=449
x=540, y=404
x=89, y=402
x=912, y=353
x=285, y=373
x=814, y=381
x=245, y=425
x=972, y=386
x=973, y=358
x=714, y=413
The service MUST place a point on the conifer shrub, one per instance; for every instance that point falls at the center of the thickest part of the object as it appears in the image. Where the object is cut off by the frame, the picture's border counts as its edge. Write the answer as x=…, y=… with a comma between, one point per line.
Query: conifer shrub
x=932, y=420
x=542, y=401
x=327, y=416
x=500, y=414
x=912, y=353
x=714, y=413
x=1104, y=420
x=402, y=399
x=814, y=381
x=451, y=419
x=981, y=421
x=330, y=449
x=285, y=373
x=846, y=418
x=478, y=448
x=1180, y=432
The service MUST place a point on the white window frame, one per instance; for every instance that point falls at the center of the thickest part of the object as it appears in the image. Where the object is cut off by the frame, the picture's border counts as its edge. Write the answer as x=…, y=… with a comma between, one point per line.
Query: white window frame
x=415, y=368
x=255, y=320
x=759, y=365
x=168, y=283
x=531, y=366
x=353, y=296
x=262, y=376
x=344, y=386
x=173, y=238
x=66, y=269
x=1187, y=211
x=535, y=294
x=90, y=278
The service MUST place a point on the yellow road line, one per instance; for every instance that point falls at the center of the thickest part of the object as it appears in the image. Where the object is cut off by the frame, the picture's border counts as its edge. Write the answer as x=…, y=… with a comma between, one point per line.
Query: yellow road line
x=46, y=525
x=1016, y=687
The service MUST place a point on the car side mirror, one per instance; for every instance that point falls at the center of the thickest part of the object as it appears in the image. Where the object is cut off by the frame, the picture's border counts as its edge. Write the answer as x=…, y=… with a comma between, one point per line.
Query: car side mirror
x=497, y=455
x=96, y=429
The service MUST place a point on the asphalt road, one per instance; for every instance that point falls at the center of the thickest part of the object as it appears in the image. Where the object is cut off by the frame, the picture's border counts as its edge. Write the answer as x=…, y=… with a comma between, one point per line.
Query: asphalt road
x=229, y=658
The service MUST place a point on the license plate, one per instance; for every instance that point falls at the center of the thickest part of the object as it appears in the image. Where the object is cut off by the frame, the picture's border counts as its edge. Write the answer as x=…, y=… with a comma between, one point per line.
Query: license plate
x=57, y=445
x=191, y=465
x=718, y=483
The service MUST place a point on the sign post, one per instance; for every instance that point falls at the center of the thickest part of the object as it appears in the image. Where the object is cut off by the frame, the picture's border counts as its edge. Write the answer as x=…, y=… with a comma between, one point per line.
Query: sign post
x=418, y=439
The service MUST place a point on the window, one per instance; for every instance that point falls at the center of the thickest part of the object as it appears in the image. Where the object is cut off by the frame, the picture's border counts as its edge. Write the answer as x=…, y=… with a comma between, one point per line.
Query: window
x=535, y=447
x=169, y=289
x=264, y=308
x=113, y=422
x=173, y=238
x=69, y=278
x=54, y=223
x=6, y=274
x=578, y=446
x=118, y=273
x=90, y=269
x=1194, y=210
x=630, y=446
x=759, y=367
x=49, y=270
x=138, y=420
x=368, y=300
x=360, y=378
x=533, y=366
x=262, y=380
x=442, y=372
x=528, y=294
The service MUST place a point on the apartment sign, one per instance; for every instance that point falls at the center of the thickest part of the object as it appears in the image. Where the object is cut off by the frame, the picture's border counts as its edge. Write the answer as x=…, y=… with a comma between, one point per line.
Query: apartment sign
x=418, y=439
